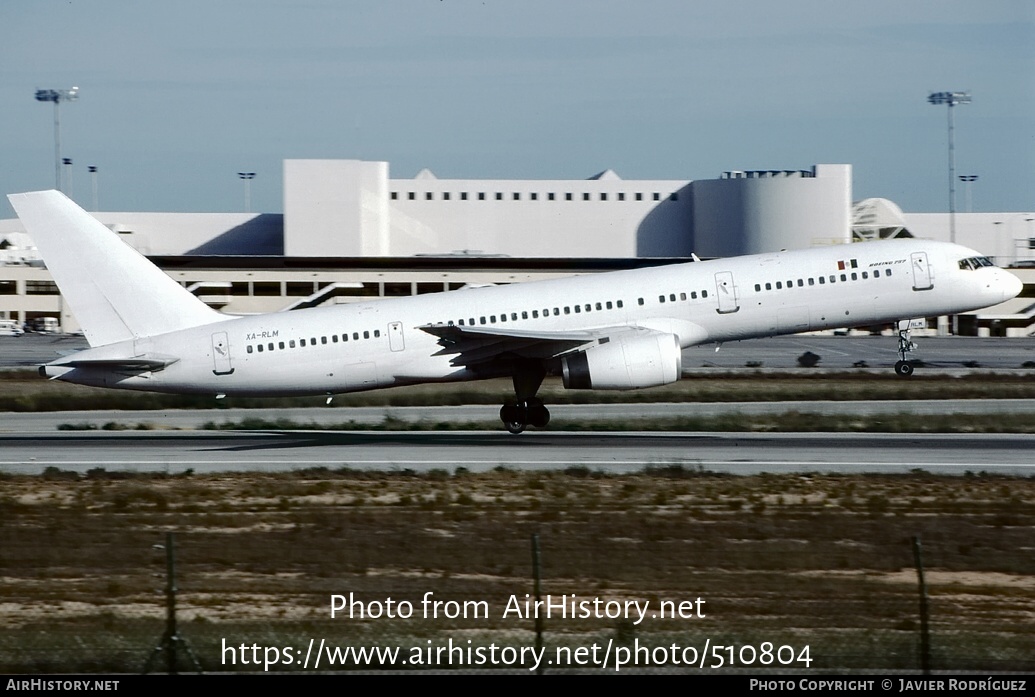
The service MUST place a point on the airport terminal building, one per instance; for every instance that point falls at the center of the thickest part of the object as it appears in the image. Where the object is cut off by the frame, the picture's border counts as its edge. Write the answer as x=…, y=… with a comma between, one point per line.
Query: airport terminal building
x=350, y=232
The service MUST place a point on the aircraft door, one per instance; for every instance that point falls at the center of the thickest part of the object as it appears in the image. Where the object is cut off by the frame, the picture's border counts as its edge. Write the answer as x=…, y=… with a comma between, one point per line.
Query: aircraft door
x=221, y=354
x=726, y=293
x=395, y=336
x=923, y=277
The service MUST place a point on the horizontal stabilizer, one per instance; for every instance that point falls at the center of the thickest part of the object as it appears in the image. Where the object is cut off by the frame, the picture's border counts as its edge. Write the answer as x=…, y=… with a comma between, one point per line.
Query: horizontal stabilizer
x=137, y=363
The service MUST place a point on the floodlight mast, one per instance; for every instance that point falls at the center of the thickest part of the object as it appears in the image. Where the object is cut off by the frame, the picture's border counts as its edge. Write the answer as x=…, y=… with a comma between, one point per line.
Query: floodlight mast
x=247, y=177
x=951, y=99
x=968, y=179
x=57, y=96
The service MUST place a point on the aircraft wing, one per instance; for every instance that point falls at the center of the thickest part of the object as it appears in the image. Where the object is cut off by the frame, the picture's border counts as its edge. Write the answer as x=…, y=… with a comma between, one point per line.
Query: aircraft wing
x=472, y=346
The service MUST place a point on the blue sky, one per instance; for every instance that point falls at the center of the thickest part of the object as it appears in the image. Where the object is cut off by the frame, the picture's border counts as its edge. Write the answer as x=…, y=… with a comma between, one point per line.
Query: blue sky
x=177, y=97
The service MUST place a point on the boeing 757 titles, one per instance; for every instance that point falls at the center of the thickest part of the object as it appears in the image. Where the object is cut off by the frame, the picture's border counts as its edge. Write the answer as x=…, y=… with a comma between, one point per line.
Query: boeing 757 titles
x=609, y=331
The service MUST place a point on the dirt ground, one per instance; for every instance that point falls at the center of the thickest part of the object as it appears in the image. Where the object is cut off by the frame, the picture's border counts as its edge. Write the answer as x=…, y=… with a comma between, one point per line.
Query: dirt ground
x=824, y=562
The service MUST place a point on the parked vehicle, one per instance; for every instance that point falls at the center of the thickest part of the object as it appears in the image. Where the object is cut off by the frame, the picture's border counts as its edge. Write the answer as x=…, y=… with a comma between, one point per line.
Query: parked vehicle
x=8, y=327
x=43, y=325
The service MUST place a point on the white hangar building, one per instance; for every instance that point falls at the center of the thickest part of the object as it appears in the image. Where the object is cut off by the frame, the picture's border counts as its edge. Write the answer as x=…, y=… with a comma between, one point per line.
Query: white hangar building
x=349, y=231
x=352, y=208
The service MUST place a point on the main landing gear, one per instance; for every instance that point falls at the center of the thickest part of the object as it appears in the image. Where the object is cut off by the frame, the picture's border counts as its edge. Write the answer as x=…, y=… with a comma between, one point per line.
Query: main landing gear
x=526, y=410
x=517, y=416
x=904, y=367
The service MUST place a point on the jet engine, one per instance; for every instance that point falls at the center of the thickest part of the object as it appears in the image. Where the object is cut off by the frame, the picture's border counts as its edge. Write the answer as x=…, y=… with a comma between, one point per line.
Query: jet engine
x=625, y=363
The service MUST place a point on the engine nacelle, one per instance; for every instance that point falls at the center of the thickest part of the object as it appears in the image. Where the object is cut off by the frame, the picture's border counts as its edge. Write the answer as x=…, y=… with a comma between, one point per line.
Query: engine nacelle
x=625, y=363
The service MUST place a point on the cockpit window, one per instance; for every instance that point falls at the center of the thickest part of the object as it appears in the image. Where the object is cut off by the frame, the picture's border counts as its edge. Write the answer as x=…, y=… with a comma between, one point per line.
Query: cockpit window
x=975, y=263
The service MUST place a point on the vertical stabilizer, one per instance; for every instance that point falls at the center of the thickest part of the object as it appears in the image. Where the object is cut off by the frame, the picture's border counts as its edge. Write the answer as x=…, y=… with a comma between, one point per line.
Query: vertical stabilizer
x=114, y=292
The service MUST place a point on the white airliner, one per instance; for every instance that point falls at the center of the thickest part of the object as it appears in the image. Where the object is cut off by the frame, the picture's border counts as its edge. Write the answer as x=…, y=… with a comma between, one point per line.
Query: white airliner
x=617, y=330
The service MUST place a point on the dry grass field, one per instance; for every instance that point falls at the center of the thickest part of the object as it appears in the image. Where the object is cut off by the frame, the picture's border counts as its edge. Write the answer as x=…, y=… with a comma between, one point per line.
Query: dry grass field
x=824, y=562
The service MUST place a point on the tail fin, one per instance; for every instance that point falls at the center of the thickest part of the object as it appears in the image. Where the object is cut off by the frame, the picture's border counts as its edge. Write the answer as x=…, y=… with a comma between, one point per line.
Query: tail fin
x=114, y=292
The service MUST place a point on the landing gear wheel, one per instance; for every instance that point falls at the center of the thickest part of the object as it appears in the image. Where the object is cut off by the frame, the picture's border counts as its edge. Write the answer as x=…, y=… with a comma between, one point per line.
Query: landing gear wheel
x=517, y=416
x=538, y=415
x=514, y=417
x=904, y=368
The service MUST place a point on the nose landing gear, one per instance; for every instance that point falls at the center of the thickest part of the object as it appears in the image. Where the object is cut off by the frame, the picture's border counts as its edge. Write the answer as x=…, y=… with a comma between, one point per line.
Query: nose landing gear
x=904, y=367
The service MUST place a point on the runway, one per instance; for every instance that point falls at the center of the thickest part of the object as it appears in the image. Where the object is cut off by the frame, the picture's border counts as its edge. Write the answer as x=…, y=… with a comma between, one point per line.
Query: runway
x=331, y=417
x=736, y=453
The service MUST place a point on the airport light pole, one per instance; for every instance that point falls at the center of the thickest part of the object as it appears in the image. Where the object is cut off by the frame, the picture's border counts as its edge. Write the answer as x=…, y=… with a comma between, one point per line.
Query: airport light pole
x=247, y=177
x=967, y=180
x=67, y=182
x=93, y=182
x=951, y=99
x=57, y=96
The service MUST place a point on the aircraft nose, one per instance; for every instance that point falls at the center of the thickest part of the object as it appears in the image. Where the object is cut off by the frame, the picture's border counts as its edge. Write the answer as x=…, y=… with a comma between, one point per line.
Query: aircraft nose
x=1010, y=284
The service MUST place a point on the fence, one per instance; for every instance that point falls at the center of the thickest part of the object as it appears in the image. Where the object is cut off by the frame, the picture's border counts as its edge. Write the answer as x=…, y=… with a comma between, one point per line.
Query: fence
x=666, y=570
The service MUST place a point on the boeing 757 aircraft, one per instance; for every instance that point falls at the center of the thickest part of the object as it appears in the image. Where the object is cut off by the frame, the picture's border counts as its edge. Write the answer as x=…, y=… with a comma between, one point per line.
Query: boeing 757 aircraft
x=609, y=331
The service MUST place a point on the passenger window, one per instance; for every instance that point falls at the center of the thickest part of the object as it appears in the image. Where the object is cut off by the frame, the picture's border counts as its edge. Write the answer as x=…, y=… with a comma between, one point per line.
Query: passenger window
x=355, y=336
x=334, y=338
x=366, y=335
x=661, y=298
x=377, y=333
x=620, y=303
x=291, y=343
x=758, y=287
x=578, y=309
x=608, y=305
x=249, y=348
